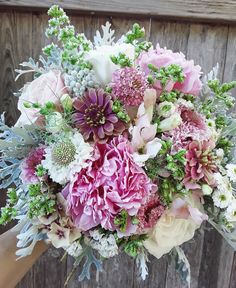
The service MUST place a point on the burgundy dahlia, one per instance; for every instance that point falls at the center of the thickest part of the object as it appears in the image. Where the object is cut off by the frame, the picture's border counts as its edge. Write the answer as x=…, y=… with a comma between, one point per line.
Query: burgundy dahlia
x=200, y=165
x=128, y=85
x=94, y=116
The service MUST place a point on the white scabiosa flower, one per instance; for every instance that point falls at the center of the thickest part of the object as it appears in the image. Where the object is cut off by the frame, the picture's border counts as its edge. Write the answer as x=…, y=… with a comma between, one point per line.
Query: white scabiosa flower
x=67, y=157
x=231, y=172
x=230, y=213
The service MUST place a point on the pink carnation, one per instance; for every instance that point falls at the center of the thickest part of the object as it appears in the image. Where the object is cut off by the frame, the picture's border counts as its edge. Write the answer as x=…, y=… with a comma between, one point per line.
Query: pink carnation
x=113, y=182
x=162, y=58
x=29, y=165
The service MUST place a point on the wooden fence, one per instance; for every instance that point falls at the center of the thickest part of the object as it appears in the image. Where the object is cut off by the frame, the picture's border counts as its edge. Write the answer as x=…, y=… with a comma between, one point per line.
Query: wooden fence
x=203, y=30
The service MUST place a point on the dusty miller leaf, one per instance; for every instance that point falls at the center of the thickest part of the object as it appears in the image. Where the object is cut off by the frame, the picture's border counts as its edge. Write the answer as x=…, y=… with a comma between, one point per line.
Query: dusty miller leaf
x=141, y=262
x=107, y=37
x=182, y=265
x=31, y=66
x=90, y=259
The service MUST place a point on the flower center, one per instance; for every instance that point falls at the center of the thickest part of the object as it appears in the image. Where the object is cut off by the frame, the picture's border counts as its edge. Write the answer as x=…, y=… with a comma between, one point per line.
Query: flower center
x=94, y=115
x=64, y=153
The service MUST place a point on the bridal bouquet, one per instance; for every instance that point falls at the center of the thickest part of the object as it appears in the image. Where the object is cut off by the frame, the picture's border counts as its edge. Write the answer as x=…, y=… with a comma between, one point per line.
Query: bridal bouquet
x=120, y=146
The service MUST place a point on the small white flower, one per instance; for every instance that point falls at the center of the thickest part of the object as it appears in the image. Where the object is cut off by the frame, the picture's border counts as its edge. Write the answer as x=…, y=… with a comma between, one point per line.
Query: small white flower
x=222, y=182
x=220, y=155
x=231, y=172
x=185, y=103
x=222, y=198
x=104, y=244
x=206, y=189
x=75, y=249
x=166, y=109
x=61, y=236
x=55, y=122
x=67, y=157
x=170, y=123
x=230, y=213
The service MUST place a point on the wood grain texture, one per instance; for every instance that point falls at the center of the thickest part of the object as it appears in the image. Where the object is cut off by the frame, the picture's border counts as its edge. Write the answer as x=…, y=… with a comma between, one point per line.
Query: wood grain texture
x=223, y=10
x=212, y=261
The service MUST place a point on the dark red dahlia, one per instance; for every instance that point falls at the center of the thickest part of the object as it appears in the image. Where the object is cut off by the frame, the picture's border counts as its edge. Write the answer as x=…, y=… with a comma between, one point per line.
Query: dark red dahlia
x=94, y=116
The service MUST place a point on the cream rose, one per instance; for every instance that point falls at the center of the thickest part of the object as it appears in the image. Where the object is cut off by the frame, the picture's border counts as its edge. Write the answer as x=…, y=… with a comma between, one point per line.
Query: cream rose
x=45, y=88
x=171, y=230
x=100, y=58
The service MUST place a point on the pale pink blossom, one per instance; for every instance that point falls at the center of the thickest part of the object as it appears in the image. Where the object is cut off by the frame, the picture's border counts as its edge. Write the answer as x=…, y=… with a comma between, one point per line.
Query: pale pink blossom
x=48, y=87
x=160, y=57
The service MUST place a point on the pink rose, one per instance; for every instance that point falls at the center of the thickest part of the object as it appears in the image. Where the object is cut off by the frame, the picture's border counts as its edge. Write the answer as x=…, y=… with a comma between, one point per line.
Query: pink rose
x=162, y=58
x=45, y=88
x=113, y=182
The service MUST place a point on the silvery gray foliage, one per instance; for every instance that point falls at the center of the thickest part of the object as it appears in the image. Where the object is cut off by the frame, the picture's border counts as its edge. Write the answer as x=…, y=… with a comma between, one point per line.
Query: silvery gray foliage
x=54, y=61
x=212, y=75
x=182, y=265
x=31, y=67
x=89, y=259
x=107, y=38
x=77, y=80
x=15, y=144
x=141, y=262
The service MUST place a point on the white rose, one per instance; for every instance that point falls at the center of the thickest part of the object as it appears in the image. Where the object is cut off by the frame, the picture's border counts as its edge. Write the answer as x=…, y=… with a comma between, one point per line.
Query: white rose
x=168, y=233
x=55, y=122
x=100, y=58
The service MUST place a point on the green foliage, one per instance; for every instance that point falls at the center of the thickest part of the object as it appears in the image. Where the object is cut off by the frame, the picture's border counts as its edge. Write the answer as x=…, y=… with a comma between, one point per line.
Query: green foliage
x=135, y=34
x=121, y=220
x=225, y=144
x=172, y=72
x=221, y=91
x=176, y=164
x=118, y=108
x=134, y=245
x=220, y=121
x=9, y=212
x=122, y=60
x=40, y=203
x=59, y=27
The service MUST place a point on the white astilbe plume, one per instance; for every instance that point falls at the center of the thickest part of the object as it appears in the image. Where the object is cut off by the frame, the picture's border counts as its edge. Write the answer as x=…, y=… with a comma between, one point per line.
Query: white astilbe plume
x=107, y=37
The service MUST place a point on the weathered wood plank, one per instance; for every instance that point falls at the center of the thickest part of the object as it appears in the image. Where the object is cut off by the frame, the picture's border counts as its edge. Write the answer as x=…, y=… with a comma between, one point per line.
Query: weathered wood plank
x=229, y=75
x=207, y=46
x=186, y=9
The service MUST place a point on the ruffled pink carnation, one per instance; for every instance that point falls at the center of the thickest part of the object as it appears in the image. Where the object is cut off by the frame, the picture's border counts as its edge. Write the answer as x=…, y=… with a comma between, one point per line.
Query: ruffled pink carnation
x=193, y=127
x=29, y=165
x=113, y=182
x=128, y=85
x=162, y=58
x=201, y=164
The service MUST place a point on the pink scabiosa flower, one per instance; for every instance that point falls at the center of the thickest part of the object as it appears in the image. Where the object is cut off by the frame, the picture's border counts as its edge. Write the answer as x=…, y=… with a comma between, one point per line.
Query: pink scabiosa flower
x=160, y=57
x=128, y=85
x=150, y=212
x=94, y=116
x=29, y=165
x=112, y=183
x=193, y=127
x=200, y=164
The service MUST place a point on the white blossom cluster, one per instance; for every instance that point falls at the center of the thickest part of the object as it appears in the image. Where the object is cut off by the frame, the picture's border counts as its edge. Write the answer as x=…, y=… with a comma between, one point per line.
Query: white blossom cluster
x=223, y=196
x=104, y=244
